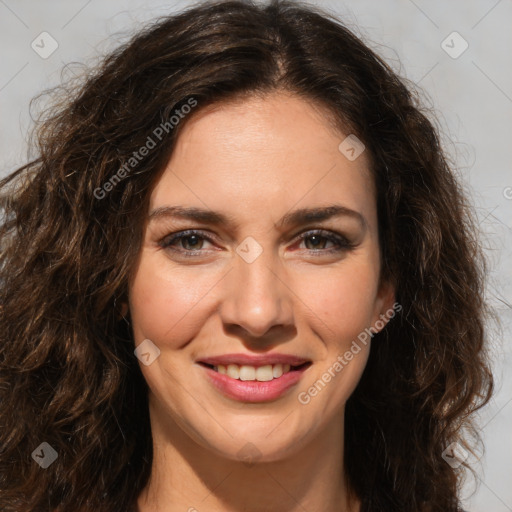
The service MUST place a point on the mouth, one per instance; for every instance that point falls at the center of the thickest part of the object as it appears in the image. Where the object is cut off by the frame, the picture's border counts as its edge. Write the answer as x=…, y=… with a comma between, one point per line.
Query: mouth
x=263, y=373
x=254, y=379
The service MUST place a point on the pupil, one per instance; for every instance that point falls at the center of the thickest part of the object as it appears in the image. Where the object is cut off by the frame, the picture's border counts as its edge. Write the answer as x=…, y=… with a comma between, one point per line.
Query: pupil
x=317, y=238
x=195, y=241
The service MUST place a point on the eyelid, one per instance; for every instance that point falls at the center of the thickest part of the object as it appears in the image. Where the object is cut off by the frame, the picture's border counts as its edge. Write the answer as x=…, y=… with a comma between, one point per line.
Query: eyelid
x=178, y=235
x=328, y=233
x=340, y=241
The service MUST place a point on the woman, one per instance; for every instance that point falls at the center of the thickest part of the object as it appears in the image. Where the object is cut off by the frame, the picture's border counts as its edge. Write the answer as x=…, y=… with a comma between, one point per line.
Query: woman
x=239, y=276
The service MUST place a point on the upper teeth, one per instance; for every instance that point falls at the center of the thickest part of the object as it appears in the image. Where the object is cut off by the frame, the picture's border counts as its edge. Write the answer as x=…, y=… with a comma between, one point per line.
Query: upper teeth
x=245, y=372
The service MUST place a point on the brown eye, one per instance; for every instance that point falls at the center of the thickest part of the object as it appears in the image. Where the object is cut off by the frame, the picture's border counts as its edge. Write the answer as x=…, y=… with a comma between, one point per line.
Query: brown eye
x=315, y=241
x=189, y=243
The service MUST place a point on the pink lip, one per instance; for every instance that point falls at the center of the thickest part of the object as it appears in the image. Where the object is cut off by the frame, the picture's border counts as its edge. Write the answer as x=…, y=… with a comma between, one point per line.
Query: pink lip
x=254, y=391
x=253, y=360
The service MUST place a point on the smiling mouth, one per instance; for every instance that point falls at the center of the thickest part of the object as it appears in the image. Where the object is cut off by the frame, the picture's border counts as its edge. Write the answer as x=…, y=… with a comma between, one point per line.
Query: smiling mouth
x=263, y=373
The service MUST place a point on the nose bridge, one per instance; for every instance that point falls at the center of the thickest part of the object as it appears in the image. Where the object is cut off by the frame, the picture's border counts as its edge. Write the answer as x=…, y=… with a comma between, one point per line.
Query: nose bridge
x=257, y=297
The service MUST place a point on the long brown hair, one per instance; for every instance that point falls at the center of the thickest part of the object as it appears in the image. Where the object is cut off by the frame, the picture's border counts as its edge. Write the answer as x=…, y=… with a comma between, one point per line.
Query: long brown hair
x=68, y=375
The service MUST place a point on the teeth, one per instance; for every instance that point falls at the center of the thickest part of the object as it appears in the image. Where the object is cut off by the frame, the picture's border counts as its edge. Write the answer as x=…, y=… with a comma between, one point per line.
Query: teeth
x=247, y=373
x=260, y=374
x=233, y=371
x=277, y=371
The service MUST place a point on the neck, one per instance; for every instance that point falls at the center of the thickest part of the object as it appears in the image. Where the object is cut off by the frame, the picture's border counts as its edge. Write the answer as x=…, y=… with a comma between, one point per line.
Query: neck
x=186, y=476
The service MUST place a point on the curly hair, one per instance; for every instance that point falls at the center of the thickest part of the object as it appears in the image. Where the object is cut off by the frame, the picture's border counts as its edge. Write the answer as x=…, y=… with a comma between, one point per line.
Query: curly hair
x=68, y=374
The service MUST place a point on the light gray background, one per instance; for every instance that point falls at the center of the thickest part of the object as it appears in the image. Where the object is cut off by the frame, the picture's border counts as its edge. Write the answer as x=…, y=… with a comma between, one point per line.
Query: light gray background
x=472, y=96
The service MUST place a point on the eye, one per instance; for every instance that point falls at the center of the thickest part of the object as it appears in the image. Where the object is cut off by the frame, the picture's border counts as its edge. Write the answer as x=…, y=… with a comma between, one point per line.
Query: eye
x=191, y=242
x=319, y=238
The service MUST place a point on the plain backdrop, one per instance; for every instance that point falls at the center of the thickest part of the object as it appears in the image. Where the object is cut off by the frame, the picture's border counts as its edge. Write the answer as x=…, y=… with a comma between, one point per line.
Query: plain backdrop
x=471, y=95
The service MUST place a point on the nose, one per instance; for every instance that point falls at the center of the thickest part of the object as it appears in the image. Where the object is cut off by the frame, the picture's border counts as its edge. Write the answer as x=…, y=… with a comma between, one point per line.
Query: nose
x=257, y=297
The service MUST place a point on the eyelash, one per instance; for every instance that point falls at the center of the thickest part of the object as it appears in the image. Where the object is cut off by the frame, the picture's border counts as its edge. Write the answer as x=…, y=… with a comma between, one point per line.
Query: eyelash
x=341, y=242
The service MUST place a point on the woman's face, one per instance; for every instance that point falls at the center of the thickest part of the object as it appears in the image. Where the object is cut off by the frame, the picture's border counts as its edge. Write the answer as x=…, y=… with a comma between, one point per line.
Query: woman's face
x=258, y=277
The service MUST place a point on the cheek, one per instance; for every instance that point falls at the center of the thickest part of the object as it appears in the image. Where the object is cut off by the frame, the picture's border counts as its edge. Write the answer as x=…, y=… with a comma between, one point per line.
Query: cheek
x=165, y=306
x=344, y=300
x=341, y=308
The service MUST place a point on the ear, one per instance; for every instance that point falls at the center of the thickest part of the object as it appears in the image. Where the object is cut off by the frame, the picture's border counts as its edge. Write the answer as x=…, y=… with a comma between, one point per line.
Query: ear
x=386, y=306
x=121, y=310
x=124, y=309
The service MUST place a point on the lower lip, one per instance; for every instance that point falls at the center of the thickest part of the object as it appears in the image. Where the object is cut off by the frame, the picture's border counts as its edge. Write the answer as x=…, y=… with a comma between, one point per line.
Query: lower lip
x=251, y=390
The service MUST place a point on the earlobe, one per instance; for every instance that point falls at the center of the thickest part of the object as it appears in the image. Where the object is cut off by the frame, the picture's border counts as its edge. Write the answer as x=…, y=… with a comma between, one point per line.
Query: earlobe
x=121, y=309
x=388, y=305
x=124, y=309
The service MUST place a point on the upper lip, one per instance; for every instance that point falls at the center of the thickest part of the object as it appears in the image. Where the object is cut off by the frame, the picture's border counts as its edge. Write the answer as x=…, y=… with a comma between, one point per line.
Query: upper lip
x=253, y=360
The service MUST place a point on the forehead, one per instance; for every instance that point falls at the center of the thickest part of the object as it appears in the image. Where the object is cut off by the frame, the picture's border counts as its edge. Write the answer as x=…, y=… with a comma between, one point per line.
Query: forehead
x=265, y=153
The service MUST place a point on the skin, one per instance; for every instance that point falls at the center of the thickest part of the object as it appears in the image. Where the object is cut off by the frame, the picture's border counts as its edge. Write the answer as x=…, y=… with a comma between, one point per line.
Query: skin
x=255, y=160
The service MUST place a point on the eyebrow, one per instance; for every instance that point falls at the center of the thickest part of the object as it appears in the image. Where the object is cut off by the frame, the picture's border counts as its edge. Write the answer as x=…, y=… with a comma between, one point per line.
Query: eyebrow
x=296, y=217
